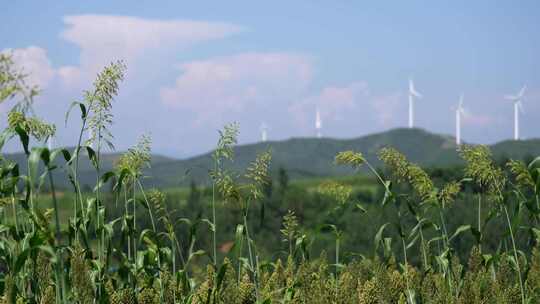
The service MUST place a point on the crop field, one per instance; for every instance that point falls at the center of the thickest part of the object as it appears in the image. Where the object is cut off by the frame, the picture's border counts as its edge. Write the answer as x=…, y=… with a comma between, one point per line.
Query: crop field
x=394, y=233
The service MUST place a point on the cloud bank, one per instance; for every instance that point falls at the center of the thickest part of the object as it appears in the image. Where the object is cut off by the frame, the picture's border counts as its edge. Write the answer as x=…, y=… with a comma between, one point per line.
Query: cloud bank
x=34, y=62
x=102, y=38
x=238, y=83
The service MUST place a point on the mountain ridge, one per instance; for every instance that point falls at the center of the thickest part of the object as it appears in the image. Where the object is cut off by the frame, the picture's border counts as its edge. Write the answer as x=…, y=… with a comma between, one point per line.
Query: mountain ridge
x=311, y=157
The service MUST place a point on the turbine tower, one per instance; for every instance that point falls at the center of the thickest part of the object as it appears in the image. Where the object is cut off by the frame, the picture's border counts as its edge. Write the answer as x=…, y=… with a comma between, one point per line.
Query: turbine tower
x=518, y=107
x=318, y=123
x=412, y=95
x=264, y=132
x=459, y=111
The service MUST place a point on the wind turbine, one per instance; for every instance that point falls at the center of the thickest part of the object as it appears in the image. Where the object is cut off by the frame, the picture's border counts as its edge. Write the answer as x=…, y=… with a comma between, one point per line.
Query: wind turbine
x=264, y=132
x=518, y=107
x=318, y=122
x=412, y=94
x=459, y=111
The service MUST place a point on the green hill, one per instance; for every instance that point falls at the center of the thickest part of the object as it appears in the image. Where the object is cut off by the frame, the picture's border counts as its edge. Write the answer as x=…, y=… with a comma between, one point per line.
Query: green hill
x=313, y=157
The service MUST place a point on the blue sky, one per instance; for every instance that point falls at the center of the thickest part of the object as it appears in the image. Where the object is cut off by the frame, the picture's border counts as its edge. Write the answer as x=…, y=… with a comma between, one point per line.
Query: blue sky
x=193, y=67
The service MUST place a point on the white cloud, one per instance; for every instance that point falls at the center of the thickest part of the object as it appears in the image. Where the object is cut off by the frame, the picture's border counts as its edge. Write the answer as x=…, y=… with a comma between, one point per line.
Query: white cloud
x=103, y=38
x=387, y=108
x=334, y=102
x=343, y=104
x=34, y=62
x=212, y=87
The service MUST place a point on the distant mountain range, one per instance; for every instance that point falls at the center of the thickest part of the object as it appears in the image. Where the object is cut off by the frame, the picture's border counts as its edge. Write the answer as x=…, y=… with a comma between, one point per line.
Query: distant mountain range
x=309, y=157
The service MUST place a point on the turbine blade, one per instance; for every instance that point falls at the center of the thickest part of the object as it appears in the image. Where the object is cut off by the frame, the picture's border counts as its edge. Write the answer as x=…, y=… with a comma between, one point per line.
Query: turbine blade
x=520, y=107
x=522, y=91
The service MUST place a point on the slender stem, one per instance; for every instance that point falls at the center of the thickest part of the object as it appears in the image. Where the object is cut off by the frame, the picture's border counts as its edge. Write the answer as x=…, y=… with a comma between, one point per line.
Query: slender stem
x=501, y=201
x=148, y=204
x=58, y=299
x=78, y=193
x=256, y=279
x=248, y=241
x=404, y=250
x=515, y=254
x=337, y=255
x=179, y=247
x=444, y=232
x=480, y=221
x=173, y=247
x=537, y=200
x=31, y=193
x=446, y=243
x=155, y=231
x=78, y=196
x=15, y=216
x=290, y=245
x=422, y=243
x=238, y=259
x=60, y=265
x=405, y=259
x=214, y=230
x=126, y=214
x=134, y=222
x=376, y=174
x=101, y=241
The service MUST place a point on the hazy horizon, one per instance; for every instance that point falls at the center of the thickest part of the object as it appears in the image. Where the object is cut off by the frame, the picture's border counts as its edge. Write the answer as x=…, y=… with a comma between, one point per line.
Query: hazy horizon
x=194, y=67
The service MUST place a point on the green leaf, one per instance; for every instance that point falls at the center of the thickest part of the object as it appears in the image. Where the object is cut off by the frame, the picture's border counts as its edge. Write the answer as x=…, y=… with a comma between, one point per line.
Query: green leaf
x=210, y=224
x=25, y=139
x=4, y=136
x=378, y=236
x=413, y=242
x=81, y=106
x=93, y=157
x=361, y=208
x=65, y=153
x=238, y=240
x=104, y=179
x=147, y=236
x=21, y=260
x=459, y=230
x=33, y=164
x=194, y=254
x=388, y=194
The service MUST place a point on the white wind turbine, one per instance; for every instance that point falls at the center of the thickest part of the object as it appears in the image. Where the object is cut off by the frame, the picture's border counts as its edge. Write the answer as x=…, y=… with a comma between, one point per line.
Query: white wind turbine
x=518, y=107
x=459, y=111
x=264, y=132
x=318, y=122
x=412, y=94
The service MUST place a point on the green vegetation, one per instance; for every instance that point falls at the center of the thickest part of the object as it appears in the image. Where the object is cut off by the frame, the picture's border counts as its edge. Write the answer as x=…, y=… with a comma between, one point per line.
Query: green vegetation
x=389, y=232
